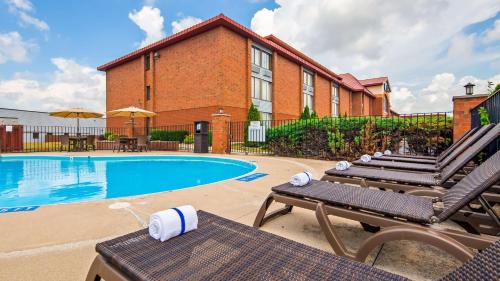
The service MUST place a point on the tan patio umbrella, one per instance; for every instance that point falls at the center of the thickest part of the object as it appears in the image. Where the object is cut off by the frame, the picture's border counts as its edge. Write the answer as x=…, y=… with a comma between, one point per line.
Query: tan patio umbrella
x=76, y=113
x=130, y=112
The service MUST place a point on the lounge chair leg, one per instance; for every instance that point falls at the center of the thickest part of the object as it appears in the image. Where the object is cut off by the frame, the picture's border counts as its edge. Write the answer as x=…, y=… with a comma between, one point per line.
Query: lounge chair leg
x=332, y=236
x=261, y=217
x=101, y=269
x=446, y=243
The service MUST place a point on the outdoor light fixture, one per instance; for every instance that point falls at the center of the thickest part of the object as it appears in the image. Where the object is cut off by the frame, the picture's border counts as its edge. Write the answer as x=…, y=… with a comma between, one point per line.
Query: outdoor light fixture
x=221, y=110
x=156, y=55
x=469, y=88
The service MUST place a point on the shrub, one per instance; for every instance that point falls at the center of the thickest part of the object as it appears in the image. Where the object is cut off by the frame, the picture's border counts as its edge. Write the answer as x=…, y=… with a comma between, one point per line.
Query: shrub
x=110, y=136
x=189, y=139
x=163, y=135
x=253, y=115
x=352, y=136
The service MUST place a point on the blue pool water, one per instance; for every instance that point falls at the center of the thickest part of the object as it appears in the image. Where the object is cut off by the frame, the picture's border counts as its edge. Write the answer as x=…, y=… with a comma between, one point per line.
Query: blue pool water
x=42, y=180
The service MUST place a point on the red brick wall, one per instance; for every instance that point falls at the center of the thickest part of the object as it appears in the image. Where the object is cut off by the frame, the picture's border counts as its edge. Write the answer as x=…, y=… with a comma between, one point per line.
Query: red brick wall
x=322, y=96
x=461, y=113
x=345, y=101
x=193, y=78
x=357, y=101
x=287, y=89
x=366, y=104
x=124, y=87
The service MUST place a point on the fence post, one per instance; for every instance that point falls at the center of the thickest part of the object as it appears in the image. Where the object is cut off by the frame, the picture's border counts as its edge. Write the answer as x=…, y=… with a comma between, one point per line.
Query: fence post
x=462, y=106
x=220, y=133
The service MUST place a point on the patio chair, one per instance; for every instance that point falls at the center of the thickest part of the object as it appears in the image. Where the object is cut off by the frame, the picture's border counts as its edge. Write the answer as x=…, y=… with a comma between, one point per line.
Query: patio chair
x=398, y=180
x=426, y=167
x=64, y=143
x=427, y=159
x=401, y=216
x=221, y=249
x=143, y=143
x=90, y=143
x=120, y=143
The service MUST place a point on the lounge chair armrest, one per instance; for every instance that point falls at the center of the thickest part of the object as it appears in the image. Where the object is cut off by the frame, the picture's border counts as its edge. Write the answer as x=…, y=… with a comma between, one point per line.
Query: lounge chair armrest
x=444, y=242
x=427, y=193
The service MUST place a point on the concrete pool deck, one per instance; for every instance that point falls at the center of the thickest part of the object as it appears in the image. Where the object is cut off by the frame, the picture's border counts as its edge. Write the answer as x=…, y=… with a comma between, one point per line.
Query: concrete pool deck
x=57, y=242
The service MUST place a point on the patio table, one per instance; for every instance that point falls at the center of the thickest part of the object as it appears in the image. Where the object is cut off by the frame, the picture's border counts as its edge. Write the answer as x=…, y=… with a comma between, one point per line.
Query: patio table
x=77, y=142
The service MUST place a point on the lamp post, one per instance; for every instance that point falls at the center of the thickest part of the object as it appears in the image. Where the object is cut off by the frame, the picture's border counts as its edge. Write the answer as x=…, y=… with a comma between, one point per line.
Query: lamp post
x=469, y=89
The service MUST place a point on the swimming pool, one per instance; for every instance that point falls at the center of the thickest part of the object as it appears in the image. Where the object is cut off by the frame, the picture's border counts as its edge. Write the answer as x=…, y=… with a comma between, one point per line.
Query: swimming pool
x=43, y=180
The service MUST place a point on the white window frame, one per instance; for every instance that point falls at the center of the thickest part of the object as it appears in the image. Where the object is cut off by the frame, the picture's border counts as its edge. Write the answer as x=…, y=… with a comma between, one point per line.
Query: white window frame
x=335, y=100
x=261, y=58
x=262, y=89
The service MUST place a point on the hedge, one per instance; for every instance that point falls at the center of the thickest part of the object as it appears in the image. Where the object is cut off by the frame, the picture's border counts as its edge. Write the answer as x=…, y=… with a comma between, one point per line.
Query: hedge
x=349, y=137
x=163, y=135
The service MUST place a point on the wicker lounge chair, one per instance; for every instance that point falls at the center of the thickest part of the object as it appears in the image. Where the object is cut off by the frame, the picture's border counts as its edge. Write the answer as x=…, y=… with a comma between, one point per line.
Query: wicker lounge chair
x=221, y=249
x=427, y=159
x=426, y=167
x=399, y=180
x=401, y=216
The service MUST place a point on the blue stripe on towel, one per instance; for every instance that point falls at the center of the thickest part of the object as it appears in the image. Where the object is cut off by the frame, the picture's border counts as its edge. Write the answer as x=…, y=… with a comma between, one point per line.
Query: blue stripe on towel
x=183, y=221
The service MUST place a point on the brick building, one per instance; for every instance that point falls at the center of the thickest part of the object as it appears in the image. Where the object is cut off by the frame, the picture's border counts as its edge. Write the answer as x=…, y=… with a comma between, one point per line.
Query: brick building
x=221, y=64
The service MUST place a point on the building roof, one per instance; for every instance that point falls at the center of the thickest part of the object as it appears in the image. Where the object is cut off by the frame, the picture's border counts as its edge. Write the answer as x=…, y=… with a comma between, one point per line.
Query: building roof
x=354, y=84
x=373, y=81
x=222, y=20
x=40, y=118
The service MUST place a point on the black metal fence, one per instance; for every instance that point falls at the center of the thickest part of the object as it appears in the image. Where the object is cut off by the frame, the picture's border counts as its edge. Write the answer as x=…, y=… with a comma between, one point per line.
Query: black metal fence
x=344, y=137
x=21, y=138
x=490, y=108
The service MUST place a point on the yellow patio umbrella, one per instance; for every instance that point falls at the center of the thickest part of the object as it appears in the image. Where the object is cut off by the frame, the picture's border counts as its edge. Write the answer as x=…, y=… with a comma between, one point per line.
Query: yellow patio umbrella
x=76, y=113
x=130, y=112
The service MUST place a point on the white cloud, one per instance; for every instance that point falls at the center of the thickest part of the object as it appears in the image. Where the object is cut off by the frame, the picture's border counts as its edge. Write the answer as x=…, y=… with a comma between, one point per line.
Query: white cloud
x=493, y=34
x=20, y=4
x=184, y=23
x=14, y=48
x=149, y=20
x=29, y=20
x=437, y=96
x=71, y=85
x=409, y=41
x=20, y=8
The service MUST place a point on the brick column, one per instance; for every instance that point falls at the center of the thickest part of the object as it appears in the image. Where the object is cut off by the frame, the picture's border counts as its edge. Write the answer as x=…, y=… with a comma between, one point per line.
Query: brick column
x=220, y=133
x=461, y=113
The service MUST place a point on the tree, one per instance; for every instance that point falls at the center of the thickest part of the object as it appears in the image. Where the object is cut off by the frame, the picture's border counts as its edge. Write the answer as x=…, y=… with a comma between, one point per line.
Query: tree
x=497, y=88
x=306, y=114
x=253, y=114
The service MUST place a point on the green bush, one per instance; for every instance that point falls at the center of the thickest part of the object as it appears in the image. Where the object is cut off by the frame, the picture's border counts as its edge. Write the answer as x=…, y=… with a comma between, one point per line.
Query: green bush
x=189, y=139
x=110, y=136
x=163, y=135
x=351, y=136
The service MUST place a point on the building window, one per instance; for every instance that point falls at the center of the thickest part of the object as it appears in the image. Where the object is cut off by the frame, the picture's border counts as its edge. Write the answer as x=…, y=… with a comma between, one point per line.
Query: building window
x=148, y=93
x=266, y=116
x=147, y=63
x=261, y=58
x=308, y=90
x=308, y=78
x=384, y=104
x=335, y=100
x=261, y=89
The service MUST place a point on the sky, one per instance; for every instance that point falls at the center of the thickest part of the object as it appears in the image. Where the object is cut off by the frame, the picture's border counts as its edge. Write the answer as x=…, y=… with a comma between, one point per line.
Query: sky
x=429, y=49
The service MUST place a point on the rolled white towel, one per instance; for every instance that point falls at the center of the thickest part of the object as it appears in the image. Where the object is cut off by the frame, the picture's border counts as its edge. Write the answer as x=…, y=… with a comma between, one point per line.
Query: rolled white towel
x=366, y=158
x=378, y=154
x=387, y=152
x=169, y=223
x=342, y=165
x=301, y=179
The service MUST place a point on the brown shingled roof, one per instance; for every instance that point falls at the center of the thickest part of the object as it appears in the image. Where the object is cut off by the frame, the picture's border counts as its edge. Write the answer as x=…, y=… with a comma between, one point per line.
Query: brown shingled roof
x=373, y=81
x=354, y=84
